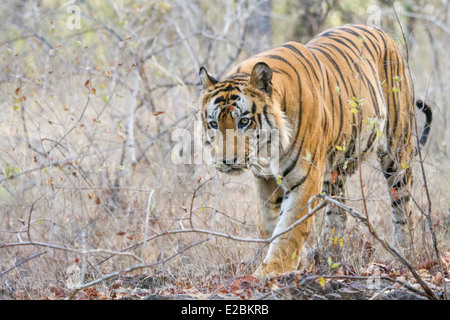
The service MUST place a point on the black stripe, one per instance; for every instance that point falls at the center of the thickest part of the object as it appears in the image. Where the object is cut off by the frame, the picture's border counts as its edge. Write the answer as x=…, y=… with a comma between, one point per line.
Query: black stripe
x=331, y=94
x=302, y=180
x=292, y=164
x=333, y=62
x=400, y=201
x=266, y=116
x=298, y=52
x=402, y=182
x=219, y=100
x=390, y=169
x=276, y=70
x=357, y=53
x=276, y=57
x=259, y=119
x=368, y=33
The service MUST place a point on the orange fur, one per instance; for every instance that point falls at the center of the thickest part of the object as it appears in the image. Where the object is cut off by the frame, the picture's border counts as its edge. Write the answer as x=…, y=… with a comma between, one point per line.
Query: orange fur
x=331, y=99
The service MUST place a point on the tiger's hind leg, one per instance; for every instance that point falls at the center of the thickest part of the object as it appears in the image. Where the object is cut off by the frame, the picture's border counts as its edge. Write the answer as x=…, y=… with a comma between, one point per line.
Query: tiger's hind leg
x=399, y=179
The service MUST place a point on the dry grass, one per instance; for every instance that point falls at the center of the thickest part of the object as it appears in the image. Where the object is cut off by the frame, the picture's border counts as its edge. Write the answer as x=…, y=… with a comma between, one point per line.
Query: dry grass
x=68, y=175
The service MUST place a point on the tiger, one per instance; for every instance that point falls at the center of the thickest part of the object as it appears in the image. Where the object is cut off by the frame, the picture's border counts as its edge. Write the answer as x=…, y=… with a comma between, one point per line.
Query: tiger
x=343, y=96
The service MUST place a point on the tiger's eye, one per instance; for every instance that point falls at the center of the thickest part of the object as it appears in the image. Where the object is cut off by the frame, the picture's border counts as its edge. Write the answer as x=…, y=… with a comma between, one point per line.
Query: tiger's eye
x=213, y=124
x=243, y=122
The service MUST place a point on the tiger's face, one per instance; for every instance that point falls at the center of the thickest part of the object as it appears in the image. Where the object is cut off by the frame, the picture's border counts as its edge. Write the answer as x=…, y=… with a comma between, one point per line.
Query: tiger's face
x=239, y=119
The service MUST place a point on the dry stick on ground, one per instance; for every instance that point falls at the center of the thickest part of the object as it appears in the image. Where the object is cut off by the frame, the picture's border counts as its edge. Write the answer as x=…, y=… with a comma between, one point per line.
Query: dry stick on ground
x=407, y=286
x=430, y=294
x=68, y=249
x=137, y=267
x=356, y=278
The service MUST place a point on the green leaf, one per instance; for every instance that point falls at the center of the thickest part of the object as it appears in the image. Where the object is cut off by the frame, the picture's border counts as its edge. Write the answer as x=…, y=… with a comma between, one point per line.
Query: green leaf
x=339, y=148
x=354, y=110
x=11, y=171
x=353, y=103
x=378, y=133
x=308, y=156
x=279, y=179
x=321, y=282
x=294, y=254
x=345, y=165
x=329, y=261
x=337, y=89
x=394, y=89
x=335, y=265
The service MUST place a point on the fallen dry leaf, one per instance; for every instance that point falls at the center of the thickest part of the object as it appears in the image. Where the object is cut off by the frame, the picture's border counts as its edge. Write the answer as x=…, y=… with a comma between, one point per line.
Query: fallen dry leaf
x=438, y=278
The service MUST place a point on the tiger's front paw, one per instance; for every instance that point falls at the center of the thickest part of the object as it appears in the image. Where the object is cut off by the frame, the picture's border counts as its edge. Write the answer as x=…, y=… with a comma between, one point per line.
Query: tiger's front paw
x=267, y=270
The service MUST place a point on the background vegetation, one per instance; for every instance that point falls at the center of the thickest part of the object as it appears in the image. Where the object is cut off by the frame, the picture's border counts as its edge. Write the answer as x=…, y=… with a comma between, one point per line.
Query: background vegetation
x=86, y=170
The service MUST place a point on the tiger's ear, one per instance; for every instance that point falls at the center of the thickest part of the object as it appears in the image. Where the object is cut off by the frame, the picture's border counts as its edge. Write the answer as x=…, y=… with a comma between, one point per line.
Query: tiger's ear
x=261, y=77
x=206, y=79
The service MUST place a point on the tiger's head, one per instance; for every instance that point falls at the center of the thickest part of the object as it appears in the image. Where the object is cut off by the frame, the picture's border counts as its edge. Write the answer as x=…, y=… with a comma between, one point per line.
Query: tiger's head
x=241, y=117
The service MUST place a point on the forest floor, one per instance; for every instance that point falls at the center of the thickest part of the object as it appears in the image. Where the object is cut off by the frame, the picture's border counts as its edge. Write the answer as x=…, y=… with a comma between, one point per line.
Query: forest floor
x=387, y=284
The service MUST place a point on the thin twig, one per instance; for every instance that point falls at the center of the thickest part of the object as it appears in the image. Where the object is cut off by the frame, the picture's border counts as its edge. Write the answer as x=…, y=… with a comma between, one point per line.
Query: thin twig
x=22, y=262
x=147, y=216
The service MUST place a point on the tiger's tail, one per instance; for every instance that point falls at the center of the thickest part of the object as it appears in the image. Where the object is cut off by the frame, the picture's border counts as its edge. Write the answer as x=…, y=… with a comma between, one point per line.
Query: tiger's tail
x=425, y=108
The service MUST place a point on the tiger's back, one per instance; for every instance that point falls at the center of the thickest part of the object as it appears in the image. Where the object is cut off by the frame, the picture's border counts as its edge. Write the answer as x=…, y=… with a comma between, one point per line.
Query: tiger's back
x=339, y=68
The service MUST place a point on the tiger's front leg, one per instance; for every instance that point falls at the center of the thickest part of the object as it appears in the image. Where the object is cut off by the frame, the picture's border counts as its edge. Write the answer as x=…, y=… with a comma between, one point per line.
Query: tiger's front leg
x=284, y=251
x=270, y=196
